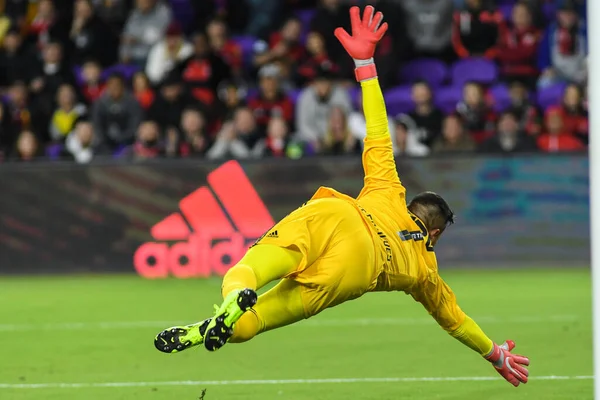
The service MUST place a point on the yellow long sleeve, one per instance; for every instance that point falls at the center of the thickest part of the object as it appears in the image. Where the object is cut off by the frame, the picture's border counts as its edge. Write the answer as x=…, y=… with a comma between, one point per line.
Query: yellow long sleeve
x=471, y=335
x=378, y=155
x=374, y=109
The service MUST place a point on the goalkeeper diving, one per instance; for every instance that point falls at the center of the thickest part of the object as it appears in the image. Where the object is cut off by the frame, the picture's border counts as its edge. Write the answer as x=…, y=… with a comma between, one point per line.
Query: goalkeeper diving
x=336, y=248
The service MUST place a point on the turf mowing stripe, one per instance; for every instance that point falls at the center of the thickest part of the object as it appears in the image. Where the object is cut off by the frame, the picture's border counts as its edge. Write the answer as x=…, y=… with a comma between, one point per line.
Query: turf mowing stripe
x=71, y=326
x=278, y=382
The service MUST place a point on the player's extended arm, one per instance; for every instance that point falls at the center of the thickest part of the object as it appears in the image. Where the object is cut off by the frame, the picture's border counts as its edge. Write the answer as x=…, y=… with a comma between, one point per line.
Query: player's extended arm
x=440, y=301
x=378, y=156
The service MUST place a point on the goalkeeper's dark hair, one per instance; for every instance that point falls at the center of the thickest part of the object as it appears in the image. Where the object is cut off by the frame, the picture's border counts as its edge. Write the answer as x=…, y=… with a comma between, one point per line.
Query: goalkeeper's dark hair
x=432, y=209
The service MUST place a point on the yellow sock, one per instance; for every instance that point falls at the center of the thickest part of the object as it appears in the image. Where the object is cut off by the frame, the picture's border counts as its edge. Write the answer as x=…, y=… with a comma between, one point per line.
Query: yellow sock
x=238, y=277
x=246, y=328
x=262, y=264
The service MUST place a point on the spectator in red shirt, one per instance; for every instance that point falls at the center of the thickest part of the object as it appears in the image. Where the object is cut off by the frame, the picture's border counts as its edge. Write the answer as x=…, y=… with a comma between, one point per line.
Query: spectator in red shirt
x=519, y=43
x=221, y=44
x=148, y=144
x=556, y=138
x=142, y=90
x=275, y=145
x=315, y=58
x=46, y=25
x=92, y=86
x=527, y=114
x=195, y=140
x=204, y=71
x=478, y=117
x=284, y=47
x=271, y=101
x=574, y=115
x=476, y=30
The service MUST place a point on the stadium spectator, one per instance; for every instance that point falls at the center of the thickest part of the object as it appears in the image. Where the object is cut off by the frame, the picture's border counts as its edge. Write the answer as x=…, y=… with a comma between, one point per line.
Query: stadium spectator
x=116, y=116
x=517, y=52
x=478, y=117
x=284, y=47
x=454, y=138
x=329, y=15
x=278, y=136
x=426, y=117
x=16, y=11
x=169, y=104
x=204, y=70
x=147, y=144
x=271, y=100
x=238, y=139
x=113, y=12
x=575, y=116
x=338, y=140
x=168, y=53
x=21, y=113
x=146, y=26
x=476, y=30
x=80, y=142
x=225, y=47
x=46, y=25
x=429, y=27
x=556, y=138
x=231, y=97
x=92, y=85
x=66, y=115
x=28, y=147
x=314, y=104
x=527, y=114
x=316, y=56
x=90, y=37
x=563, y=50
x=48, y=77
x=195, y=141
x=142, y=90
x=405, y=138
x=508, y=138
x=16, y=60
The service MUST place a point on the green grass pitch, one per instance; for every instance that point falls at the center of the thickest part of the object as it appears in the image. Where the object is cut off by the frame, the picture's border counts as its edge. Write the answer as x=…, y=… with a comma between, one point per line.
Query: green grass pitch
x=97, y=331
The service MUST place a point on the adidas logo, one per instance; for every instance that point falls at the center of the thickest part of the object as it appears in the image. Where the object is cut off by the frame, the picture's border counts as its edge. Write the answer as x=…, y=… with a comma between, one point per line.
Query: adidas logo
x=272, y=234
x=211, y=231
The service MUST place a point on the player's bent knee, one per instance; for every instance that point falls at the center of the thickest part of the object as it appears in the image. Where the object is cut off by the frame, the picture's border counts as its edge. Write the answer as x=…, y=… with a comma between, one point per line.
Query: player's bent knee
x=246, y=328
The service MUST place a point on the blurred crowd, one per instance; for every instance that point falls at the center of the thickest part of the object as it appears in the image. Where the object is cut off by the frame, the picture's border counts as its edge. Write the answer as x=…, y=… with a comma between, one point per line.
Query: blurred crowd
x=143, y=79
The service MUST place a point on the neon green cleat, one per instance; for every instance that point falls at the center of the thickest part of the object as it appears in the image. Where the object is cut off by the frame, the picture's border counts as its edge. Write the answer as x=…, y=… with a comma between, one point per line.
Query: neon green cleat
x=179, y=338
x=220, y=327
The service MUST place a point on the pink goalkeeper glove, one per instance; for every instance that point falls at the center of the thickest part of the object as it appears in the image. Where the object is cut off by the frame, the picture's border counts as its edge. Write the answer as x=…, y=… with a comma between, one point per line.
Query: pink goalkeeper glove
x=510, y=366
x=366, y=33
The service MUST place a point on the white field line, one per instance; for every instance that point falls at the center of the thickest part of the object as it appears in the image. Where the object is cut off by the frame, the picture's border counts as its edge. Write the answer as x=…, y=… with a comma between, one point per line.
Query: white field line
x=321, y=322
x=277, y=382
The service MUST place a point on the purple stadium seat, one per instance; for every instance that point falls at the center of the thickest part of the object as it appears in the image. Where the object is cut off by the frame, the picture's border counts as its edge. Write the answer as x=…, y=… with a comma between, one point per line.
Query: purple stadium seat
x=356, y=97
x=54, y=151
x=549, y=10
x=78, y=72
x=127, y=70
x=183, y=13
x=551, y=95
x=305, y=17
x=432, y=71
x=247, y=45
x=399, y=100
x=446, y=98
x=294, y=94
x=474, y=69
x=501, y=96
x=506, y=10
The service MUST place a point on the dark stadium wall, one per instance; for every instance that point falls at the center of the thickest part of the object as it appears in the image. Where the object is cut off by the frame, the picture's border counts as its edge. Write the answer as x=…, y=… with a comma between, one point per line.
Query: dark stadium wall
x=194, y=219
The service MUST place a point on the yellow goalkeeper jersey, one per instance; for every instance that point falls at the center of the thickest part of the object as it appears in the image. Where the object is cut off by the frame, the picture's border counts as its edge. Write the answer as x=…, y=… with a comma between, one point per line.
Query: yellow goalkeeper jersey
x=406, y=258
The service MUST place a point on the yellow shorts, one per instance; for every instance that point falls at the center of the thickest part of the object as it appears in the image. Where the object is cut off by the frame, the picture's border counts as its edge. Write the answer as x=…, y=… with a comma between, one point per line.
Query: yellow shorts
x=338, y=262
